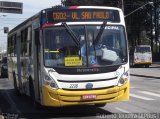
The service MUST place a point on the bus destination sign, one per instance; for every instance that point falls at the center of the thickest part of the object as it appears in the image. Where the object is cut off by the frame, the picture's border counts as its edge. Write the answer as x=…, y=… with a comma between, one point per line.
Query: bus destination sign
x=83, y=15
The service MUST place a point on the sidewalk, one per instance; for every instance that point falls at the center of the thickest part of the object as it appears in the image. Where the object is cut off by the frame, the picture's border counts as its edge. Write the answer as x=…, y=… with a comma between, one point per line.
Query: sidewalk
x=151, y=72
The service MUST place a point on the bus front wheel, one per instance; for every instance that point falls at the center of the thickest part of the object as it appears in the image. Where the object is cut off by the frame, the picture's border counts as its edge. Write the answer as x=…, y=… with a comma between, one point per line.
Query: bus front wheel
x=32, y=95
x=147, y=66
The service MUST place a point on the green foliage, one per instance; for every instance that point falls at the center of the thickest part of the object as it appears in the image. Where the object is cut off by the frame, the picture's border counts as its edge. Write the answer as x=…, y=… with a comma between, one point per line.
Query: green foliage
x=138, y=21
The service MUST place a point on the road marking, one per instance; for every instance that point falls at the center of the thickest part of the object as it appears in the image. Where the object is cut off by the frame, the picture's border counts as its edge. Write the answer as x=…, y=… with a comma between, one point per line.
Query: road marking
x=149, y=93
x=13, y=104
x=141, y=97
x=122, y=110
x=132, y=87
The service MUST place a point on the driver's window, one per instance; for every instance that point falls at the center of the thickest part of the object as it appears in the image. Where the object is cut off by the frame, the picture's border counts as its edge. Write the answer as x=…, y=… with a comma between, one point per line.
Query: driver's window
x=108, y=41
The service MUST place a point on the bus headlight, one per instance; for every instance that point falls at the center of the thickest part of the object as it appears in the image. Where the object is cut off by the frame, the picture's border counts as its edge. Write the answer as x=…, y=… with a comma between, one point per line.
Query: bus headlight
x=50, y=82
x=124, y=78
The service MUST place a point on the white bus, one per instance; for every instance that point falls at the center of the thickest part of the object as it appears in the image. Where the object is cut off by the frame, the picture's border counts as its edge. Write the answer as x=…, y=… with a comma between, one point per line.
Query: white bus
x=46, y=61
x=141, y=56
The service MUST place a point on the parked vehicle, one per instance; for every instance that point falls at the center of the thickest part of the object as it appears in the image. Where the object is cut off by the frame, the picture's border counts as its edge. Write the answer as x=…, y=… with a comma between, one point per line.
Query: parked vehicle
x=4, y=68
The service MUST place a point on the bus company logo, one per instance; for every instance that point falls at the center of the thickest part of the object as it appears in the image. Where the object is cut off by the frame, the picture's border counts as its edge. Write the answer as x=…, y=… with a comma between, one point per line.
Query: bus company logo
x=110, y=27
x=89, y=86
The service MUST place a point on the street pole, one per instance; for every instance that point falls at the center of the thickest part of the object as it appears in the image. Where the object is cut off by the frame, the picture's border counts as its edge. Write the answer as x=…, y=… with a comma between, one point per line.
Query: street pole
x=122, y=2
x=152, y=30
x=159, y=27
x=156, y=25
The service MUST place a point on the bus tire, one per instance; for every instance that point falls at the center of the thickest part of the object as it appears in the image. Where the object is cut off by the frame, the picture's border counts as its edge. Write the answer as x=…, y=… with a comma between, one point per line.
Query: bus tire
x=32, y=95
x=1, y=76
x=15, y=85
x=147, y=66
x=100, y=105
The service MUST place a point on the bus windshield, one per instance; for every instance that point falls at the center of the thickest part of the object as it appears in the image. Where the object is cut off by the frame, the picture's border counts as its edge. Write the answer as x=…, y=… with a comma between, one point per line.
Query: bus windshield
x=143, y=49
x=61, y=50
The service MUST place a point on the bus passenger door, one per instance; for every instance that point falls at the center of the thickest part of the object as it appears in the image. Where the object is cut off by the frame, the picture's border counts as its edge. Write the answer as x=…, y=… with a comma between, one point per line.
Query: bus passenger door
x=18, y=71
x=36, y=63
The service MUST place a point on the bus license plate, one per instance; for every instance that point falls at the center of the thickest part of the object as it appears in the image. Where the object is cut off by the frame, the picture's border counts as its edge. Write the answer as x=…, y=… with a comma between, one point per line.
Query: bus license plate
x=88, y=97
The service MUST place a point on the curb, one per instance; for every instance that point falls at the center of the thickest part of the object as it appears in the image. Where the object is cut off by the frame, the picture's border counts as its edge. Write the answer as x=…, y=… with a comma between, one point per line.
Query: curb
x=145, y=76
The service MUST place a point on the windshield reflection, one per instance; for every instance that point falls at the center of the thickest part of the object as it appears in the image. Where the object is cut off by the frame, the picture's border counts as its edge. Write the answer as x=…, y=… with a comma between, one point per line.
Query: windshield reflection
x=60, y=49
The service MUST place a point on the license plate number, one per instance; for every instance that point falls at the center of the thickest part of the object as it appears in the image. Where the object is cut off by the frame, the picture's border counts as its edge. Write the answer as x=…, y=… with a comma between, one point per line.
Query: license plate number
x=88, y=97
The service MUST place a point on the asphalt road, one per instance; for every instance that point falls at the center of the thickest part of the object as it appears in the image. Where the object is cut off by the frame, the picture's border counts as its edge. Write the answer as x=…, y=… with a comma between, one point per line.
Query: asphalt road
x=144, y=98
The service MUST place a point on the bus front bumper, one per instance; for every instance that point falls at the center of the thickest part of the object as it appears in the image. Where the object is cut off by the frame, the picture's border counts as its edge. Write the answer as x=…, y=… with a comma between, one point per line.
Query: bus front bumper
x=60, y=97
x=143, y=62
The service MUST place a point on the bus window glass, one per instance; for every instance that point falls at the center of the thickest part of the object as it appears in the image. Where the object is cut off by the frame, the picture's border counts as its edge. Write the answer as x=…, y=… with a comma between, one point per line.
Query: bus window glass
x=58, y=45
x=29, y=41
x=143, y=49
x=60, y=48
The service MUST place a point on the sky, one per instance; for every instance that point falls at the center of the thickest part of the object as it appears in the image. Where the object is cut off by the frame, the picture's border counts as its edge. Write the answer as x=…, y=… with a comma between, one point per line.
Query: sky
x=30, y=7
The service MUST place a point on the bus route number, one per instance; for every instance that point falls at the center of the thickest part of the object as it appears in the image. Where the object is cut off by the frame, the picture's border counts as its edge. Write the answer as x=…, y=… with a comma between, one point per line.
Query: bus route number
x=73, y=86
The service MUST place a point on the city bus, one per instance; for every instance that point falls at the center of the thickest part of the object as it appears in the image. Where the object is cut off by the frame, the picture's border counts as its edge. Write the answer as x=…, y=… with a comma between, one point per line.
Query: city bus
x=45, y=60
x=142, y=56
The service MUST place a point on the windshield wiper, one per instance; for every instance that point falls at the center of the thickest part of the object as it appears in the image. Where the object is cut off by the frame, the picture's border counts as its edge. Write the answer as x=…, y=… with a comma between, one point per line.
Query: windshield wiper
x=98, y=37
x=73, y=35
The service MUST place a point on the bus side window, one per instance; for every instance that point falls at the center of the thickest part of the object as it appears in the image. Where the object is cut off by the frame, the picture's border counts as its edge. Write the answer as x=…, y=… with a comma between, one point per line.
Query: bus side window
x=29, y=41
